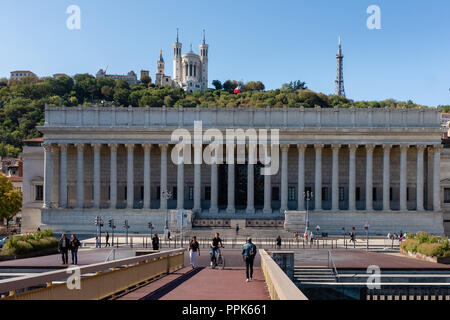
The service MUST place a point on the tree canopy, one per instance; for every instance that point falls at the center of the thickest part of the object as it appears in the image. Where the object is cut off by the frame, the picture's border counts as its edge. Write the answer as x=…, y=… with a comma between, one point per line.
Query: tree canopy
x=22, y=102
x=10, y=199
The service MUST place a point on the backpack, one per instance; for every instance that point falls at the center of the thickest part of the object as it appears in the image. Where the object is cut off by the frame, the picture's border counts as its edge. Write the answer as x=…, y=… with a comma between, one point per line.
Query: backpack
x=252, y=250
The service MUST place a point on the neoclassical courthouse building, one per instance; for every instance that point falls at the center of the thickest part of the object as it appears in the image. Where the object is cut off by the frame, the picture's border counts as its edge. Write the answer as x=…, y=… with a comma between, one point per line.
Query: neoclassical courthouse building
x=380, y=167
x=377, y=166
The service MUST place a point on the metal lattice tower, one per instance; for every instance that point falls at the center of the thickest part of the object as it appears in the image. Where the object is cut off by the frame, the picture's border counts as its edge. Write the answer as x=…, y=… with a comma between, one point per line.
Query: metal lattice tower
x=340, y=91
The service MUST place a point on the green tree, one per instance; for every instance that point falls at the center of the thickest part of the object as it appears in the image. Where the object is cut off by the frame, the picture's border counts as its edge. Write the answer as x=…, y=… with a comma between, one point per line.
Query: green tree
x=217, y=84
x=121, y=96
x=145, y=79
x=10, y=199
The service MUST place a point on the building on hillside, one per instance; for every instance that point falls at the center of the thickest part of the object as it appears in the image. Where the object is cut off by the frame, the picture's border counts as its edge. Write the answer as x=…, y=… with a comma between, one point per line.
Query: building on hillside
x=59, y=75
x=20, y=74
x=190, y=70
x=376, y=166
x=145, y=73
x=130, y=77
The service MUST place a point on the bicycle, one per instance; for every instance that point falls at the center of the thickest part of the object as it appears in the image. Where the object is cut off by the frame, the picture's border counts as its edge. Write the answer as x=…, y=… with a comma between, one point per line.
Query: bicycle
x=218, y=261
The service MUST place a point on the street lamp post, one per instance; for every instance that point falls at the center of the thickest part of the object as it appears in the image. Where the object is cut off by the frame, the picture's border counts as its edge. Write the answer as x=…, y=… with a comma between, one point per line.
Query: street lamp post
x=166, y=195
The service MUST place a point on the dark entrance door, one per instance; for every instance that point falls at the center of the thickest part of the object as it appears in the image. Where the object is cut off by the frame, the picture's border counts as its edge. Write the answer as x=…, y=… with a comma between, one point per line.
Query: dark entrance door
x=241, y=186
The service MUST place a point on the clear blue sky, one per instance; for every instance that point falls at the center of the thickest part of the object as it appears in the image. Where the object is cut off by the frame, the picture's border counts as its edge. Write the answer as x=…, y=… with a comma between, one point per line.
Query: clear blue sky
x=272, y=41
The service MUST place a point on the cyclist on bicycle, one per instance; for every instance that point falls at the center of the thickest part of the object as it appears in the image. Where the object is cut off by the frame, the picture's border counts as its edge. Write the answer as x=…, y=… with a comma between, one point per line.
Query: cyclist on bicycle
x=215, y=248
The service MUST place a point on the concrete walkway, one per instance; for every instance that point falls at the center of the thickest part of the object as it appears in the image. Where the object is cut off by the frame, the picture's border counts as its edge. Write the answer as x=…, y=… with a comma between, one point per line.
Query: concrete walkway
x=204, y=283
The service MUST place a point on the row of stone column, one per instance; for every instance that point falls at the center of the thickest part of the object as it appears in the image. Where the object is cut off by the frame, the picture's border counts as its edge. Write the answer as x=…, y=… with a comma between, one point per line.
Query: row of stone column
x=250, y=179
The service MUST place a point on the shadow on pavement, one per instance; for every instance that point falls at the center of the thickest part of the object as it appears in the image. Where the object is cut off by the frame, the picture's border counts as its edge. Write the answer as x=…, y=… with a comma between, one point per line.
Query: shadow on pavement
x=159, y=293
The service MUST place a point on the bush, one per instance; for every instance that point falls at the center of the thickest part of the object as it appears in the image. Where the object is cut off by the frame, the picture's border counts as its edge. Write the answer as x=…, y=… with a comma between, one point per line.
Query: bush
x=423, y=237
x=429, y=246
x=410, y=245
x=23, y=247
x=22, y=244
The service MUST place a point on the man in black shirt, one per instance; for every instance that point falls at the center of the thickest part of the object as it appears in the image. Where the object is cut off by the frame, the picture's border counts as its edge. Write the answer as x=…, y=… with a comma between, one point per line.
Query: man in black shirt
x=215, y=248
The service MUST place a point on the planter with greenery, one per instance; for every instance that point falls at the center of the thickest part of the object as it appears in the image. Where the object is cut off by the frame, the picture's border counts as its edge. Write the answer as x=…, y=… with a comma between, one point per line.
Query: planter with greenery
x=33, y=244
x=426, y=247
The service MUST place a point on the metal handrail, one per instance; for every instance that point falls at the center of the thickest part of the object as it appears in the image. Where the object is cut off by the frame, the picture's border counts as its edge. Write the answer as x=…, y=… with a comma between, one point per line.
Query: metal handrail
x=47, y=277
x=330, y=258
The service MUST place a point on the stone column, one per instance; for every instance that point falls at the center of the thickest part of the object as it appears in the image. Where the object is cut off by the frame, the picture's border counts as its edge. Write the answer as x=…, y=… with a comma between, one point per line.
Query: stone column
x=214, y=184
x=230, y=162
x=403, y=177
x=97, y=148
x=284, y=178
x=352, y=178
x=163, y=184
x=301, y=177
x=318, y=177
x=369, y=177
x=386, y=177
x=419, y=181
x=63, y=177
x=436, y=178
x=197, y=177
x=180, y=181
x=47, y=175
x=113, y=177
x=251, y=179
x=335, y=178
x=80, y=175
x=130, y=176
x=147, y=175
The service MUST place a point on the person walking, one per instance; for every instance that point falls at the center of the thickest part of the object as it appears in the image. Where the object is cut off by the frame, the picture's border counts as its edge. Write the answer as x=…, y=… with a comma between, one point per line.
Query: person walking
x=278, y=242
x=74, y=244
x=194, y=250
x=248, y=255
x=311, y=237
x=63, y=248
x=107, y=240
x=237, y=229
x=155, y=242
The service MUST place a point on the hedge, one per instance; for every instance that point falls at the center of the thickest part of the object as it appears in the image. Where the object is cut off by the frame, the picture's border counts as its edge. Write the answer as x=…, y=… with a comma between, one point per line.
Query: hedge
x=428, y=245
x=33, y=242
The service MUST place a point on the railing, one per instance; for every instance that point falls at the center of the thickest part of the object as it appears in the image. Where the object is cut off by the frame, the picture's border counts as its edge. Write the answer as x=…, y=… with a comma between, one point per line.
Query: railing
x=98, y=281
x=279, y=285
x=333, y=265
x=144, y=241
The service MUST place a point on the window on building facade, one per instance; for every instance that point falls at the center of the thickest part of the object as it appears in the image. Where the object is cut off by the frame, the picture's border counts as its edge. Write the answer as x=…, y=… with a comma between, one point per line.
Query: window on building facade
x=374, y=194
x=191, y=193
x=39, y=193
x=390, y=194
x=325, y=193
x=291, y=194
x=407, y=194
x=174, y=193
x=158, y=193
x=275, y=194
x=126, y=193
x=207, y=193
x=341, y=194
x=142, y=192
x=446, y=195
x=358, y=194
